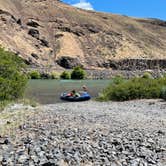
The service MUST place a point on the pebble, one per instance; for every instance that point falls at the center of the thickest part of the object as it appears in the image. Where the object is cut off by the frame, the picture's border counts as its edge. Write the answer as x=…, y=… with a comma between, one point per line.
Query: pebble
x=105, y=137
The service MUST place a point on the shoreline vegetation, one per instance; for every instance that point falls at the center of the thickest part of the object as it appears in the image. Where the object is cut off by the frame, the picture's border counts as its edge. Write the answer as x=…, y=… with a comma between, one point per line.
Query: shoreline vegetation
x=138, y=85
x=14, y=76
x=145, y=87
x=76, y=74
x=13, y=80
x=94, y=74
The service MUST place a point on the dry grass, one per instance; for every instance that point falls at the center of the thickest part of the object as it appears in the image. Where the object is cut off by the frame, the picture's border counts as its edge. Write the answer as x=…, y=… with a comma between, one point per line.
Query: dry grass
x=16, y=115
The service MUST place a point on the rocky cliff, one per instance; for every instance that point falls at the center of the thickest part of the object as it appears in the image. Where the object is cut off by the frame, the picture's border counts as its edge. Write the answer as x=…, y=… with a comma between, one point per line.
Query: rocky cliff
x=49, y=33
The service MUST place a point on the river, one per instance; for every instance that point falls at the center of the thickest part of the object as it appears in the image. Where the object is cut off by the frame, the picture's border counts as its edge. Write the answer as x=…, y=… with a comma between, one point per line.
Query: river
x=48, y=91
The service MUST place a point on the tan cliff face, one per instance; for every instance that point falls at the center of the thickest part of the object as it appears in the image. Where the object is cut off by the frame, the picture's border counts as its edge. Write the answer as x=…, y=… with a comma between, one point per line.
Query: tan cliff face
x=49, y=33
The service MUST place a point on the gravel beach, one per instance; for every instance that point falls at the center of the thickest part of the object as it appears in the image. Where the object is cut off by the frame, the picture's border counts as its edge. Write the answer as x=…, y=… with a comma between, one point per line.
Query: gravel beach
x=90, y=133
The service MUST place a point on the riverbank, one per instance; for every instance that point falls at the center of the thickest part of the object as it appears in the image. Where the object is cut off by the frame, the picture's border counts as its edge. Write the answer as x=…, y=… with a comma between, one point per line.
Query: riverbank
x=109, y=73
x=89, y=133
x=103, y=73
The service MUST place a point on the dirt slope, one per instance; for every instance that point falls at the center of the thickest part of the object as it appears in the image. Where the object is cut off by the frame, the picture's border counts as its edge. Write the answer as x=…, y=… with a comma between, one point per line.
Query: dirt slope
x=49, y=33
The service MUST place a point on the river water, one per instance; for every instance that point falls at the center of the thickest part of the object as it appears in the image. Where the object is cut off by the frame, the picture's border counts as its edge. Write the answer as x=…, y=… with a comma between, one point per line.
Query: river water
x=48, y=91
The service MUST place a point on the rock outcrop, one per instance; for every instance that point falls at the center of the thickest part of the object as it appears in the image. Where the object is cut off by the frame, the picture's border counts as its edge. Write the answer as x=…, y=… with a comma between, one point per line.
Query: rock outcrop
x=45, y=31
x=135, y=64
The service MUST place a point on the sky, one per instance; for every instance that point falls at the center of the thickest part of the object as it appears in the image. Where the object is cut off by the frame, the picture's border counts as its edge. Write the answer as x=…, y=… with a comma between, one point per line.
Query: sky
x=135, y=8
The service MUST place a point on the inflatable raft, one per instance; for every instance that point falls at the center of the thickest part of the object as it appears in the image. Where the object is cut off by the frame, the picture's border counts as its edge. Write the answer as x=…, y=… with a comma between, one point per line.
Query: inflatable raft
x=84, y=97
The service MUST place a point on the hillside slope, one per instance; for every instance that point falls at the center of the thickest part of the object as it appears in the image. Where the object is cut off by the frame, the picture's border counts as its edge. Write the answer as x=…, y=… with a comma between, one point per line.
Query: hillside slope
x=49, y=33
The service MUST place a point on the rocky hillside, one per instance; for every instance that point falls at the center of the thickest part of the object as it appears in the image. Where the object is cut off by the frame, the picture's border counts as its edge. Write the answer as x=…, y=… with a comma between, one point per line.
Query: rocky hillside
x=49, y=33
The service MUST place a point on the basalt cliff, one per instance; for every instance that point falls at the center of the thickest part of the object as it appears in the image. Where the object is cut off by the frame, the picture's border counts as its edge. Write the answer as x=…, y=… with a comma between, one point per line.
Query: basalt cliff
x=52, y=34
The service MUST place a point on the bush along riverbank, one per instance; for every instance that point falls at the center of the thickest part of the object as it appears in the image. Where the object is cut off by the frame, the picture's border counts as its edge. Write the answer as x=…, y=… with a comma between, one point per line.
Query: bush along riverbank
x=76, y=73
x=145, y=87
x=12, y=79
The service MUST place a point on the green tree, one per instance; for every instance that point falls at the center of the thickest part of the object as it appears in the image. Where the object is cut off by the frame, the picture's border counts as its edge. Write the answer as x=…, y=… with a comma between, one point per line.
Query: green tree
x=78, y=73
x=12, y=78
x=65, y=75
x=34, y=75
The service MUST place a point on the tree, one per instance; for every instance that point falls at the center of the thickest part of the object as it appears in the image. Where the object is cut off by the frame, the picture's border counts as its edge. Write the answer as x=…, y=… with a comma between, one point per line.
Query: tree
x=12, y=79
x=78, y=73
x=65, y=75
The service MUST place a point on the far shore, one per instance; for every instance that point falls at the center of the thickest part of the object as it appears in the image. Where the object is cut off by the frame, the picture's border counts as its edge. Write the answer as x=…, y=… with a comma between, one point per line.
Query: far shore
x=103, y=73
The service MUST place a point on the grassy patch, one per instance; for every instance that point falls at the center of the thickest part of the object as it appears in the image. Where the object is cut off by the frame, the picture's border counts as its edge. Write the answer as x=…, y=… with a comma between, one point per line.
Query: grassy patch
x=3, y=104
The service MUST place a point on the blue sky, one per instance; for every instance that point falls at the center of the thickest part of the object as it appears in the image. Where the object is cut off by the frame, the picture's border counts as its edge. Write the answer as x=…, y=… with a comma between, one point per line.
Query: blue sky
x=136, y=8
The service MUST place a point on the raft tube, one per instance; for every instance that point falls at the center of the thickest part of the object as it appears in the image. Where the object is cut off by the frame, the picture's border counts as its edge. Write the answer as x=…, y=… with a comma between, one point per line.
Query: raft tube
x=84, y=97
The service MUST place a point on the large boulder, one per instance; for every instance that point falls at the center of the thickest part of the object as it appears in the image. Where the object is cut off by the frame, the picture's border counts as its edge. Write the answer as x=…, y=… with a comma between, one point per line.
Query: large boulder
x=68, y=62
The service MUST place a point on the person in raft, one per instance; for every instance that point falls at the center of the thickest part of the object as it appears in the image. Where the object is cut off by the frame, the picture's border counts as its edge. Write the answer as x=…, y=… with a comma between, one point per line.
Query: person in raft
x=73, y=93
x=84, y=90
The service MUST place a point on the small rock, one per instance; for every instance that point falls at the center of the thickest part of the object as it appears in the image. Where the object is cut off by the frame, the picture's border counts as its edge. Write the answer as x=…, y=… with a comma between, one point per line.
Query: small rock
x=6, y=141
x=22, y=159
x=48, y=164
x=35, y=56
x=44, y=42
x=32, y=24
x=35, y=158
x=8, y=122
x=161, y=132
x=4, y=161
x=34, y=33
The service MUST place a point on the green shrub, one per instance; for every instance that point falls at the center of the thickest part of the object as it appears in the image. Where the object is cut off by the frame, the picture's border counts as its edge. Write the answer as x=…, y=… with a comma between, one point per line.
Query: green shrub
x=12, y=79
x=78, y=73
x=54, y=75
x=147, y=75
x=49, y=76
x=34, y=75
x=65, y=75
x=118, y=79
x=136, y=88
x=46, y=76
x=163, y=93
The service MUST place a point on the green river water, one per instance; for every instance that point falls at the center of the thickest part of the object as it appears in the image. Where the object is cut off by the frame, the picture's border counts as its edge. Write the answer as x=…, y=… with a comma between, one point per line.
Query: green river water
x=48, y=91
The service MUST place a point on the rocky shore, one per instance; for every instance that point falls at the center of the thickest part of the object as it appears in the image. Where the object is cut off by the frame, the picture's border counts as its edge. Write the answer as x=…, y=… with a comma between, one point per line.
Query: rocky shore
x=107, y=74
x=102, y=73
x=90, y=133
